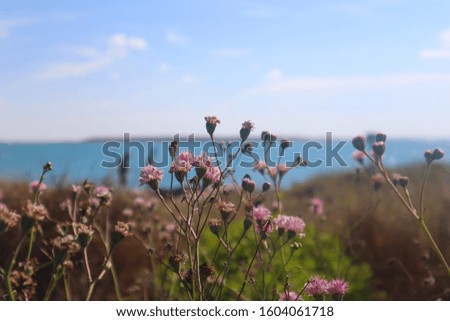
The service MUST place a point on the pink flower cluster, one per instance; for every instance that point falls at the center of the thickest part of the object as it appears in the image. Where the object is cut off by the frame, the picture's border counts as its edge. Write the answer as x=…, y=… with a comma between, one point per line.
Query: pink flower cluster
x=318, y=287
x=33, y=186
x=150, y=174
x=262, y=216
x=293, y=224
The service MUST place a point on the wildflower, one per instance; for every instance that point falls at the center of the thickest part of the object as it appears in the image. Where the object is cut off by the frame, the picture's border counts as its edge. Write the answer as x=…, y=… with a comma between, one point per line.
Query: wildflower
x=121, y=230
x=226, y=208
x=379, y=148
x=359, y=156
x=290, y=296
x=262, y=216
x=103, y=194
x=316, y=206
x=35, y=212
x=171, y=228
x=359, y=142
x=151, y=176
x=248, y=185
x=398, y=179
x=211, y=123
x=316, y=287
x=247, y=127
x=64, y=246
x=214, y=226
x=23, y=284
x=212, y=175
x=8, y=219
x=85, y=234
x=201, y=164
x=282, y=169
x=33, y=187
x=292, y=224
x=337, y=288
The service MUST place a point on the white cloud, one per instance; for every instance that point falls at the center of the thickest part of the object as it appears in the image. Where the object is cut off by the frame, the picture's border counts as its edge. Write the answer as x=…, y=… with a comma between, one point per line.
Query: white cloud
x=7, y=25
x=118, y=46
x=438, y=53
x=175, y=38
x=276, y=83
x=231, y=52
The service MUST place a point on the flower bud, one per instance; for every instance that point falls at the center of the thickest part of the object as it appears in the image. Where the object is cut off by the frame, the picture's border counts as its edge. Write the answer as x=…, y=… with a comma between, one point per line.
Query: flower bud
x=247, y=127
x=379, y=148
x=47, y=167
x=359, y=142
x=403, y=181
x=429, y=156
x=438, y=154
x=283, y=145
x=247, y=223
x=266, y=186
x=380, y=137
x=214, y=226
x=211, y=123
x=248, y=185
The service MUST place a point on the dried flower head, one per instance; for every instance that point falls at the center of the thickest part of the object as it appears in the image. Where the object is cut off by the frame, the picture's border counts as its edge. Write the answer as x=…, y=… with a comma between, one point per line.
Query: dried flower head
x=266, y=186
x=438, y=154
x=8, y=219
x=103, y=194
x=214, y=226
x=246, y=129
x=380, y=137
x=248, y=185
x=176, y=260
x=122, y=228
x=35, y=212
x=211, y=123
x=226, y=209
x=151, y=176
x=33, y=187
x=85, y=234
x=64, y=247
x=23, y=284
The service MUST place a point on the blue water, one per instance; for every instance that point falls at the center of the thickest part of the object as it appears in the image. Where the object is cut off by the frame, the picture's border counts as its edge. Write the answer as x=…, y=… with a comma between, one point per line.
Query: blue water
x=75, y=162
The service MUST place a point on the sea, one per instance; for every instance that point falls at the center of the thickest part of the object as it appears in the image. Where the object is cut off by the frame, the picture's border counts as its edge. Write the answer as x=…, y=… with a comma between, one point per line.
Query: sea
x=73, y=162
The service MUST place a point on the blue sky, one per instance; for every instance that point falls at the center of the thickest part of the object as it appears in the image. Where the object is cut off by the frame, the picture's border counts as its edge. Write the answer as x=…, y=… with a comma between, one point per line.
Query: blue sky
x=73, y=69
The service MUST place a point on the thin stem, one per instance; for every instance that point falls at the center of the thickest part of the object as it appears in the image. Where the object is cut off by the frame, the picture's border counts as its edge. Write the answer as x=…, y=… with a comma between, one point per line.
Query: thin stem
x=422, y=191
x=11, y=265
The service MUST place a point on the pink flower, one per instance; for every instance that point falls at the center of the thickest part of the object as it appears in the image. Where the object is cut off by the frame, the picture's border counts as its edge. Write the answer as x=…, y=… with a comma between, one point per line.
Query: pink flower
x=212, y=175
x=127, y=212
x=202, y=161
x=316, y=287
x=261, y=213
x=32, y=187
x=316, y=206
x=337, y=287
x=291, y=224
x=150, y=175
x=262, y=216
x=359, y=156
x=103, y=194
x=290, y=296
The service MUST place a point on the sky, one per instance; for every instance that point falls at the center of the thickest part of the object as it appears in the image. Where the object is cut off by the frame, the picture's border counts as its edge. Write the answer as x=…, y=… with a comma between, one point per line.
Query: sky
x=73, y=70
